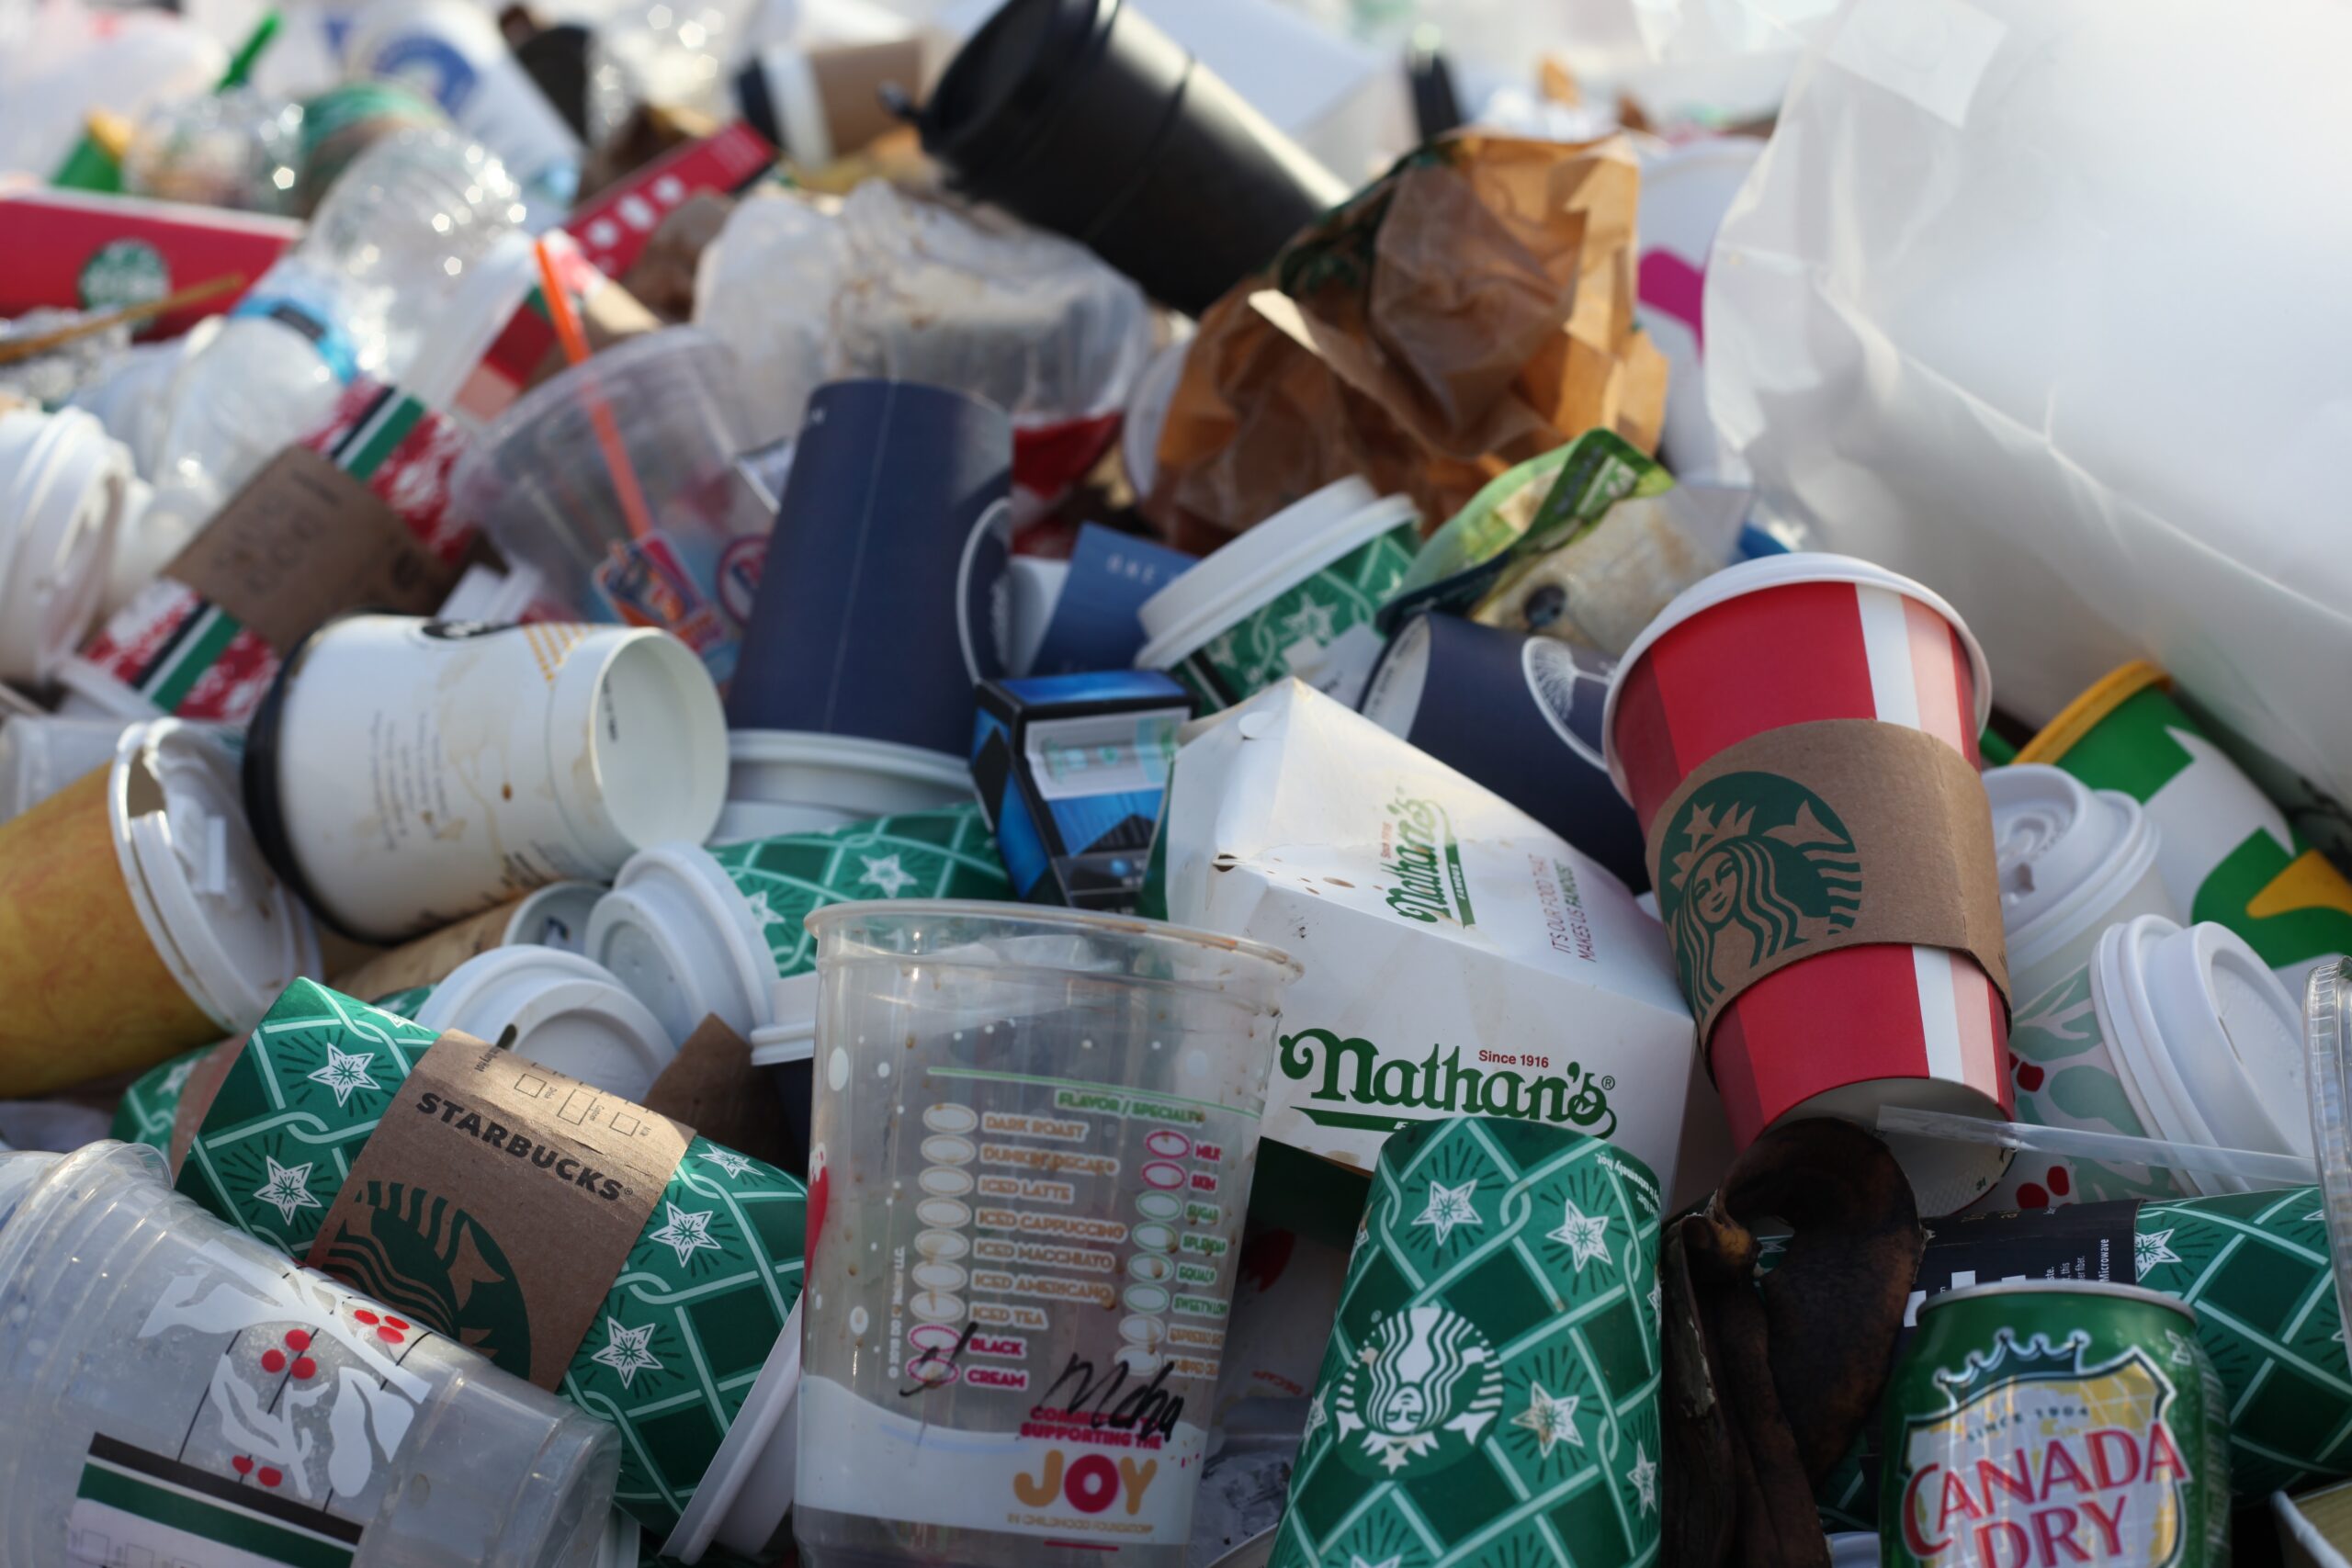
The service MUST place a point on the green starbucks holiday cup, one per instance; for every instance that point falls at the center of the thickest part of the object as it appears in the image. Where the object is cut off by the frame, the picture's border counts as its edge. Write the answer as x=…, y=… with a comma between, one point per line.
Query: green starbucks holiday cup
x=1490, y=1393
x=2226, y=852
x=148, y=1106
x=690, y=1345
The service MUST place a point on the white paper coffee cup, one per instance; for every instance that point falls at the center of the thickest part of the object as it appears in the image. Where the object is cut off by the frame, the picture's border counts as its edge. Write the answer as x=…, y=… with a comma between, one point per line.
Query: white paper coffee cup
x=404, y=774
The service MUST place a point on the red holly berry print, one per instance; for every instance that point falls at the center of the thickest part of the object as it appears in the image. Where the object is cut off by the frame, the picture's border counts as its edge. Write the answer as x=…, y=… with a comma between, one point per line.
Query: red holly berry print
x=270, y=1476
x=242, y=1465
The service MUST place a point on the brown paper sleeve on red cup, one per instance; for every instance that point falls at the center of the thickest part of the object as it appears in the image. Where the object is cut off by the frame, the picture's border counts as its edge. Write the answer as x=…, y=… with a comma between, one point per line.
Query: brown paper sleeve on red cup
x=1815, y=837
x=521, y=1177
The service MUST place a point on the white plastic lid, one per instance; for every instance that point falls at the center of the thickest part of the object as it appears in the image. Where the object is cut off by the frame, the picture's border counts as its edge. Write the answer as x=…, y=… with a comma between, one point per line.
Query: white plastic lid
x=743, y=1496
x=2066, y=854
x=2210, y=1043
x=566, y=1013
x=62, y=480
x=1392, y=698
x=230, y=932
x=1779, y=571
x=556, y=916
x=678, y=936
x=1302, y=539
x=764, y=764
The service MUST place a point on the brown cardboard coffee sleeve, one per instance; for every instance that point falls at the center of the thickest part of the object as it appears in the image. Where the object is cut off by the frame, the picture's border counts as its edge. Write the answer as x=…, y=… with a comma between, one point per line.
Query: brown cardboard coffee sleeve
x=1815, y=837
x=304, y=542
x=558, y=1177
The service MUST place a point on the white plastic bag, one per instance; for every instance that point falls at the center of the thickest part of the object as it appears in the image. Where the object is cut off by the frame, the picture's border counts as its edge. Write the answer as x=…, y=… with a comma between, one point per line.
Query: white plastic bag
x=2042, y=302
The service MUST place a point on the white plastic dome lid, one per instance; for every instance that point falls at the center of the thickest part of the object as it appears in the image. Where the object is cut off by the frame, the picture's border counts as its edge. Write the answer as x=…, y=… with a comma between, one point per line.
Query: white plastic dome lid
x=231, y=932
x=2061, y=848
x=684, y=941
x=565, y=1012
x=1302, y=539
x=2210, y=1041
x=62, y=484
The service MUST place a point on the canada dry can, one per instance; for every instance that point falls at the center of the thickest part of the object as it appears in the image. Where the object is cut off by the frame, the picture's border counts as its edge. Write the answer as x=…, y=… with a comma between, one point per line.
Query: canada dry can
x=2057, y=1422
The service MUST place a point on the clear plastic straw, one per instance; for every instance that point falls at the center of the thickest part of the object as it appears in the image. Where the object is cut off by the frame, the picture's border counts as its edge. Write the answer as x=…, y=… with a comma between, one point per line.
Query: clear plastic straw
x=2250, y=1165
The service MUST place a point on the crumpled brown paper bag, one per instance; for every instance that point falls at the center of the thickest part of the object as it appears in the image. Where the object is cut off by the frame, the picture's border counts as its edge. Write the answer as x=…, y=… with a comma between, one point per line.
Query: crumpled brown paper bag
x=1471, y=310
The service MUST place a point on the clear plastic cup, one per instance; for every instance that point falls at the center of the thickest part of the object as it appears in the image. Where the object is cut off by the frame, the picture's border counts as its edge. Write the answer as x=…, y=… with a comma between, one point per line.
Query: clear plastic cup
x=617, y=480
x=177, y=1391
x=1034, y=1139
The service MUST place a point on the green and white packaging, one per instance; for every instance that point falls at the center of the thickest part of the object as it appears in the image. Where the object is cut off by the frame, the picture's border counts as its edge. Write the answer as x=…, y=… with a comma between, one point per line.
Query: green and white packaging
x=702, y=1311
x=1459, y=958
x=1489, y=1397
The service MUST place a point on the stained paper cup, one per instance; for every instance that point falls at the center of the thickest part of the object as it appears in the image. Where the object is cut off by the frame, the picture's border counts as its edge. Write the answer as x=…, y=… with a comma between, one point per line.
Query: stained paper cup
x=2073, y=862
x=178, y=1393
x=137, y=918
x=1790, y=639
x=700, y=1317
x=406, y=773
x=1495, y=1367
x=1294, y=596
x=717, y=933
x=784, y=781
x=2225, y=852
x=2173, y=1033
x=562, y=1011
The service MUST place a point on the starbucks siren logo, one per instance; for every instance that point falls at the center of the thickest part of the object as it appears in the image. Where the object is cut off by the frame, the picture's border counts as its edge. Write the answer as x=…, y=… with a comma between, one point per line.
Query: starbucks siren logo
x=1759, y=864
x=123, y=272
x=1419, y=1395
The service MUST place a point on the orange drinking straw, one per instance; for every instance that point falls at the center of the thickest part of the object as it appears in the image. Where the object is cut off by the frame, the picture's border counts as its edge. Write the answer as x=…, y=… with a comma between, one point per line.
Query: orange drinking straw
x=608, y=434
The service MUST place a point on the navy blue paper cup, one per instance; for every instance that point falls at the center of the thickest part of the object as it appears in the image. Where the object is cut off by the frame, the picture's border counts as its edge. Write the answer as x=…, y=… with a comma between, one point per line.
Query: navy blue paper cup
x=1519, y=714
x=877, y=611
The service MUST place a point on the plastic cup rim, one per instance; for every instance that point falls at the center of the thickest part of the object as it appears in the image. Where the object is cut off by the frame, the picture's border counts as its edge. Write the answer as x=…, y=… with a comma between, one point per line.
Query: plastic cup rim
x=1039, y=919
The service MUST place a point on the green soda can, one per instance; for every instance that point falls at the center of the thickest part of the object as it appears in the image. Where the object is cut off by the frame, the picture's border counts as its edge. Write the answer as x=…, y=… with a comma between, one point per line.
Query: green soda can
x=2055, y=1422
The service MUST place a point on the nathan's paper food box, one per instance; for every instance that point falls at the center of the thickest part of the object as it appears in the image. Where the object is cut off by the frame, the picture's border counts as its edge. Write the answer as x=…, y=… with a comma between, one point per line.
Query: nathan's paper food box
x=1459, y=957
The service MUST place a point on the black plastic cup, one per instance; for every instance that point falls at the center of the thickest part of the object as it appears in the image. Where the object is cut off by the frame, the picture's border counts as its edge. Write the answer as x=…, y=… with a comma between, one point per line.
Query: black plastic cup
x=1521, y=715
x=876, y=614
x=1081, y=117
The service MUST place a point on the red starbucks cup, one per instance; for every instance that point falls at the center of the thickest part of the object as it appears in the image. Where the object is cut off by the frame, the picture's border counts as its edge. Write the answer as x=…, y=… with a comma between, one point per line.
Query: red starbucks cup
x=1787, y=640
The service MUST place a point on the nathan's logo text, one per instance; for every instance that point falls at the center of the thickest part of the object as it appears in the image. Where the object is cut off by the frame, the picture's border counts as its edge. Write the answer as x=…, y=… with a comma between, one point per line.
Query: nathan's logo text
x=1418, y=845
x=1353, y=1070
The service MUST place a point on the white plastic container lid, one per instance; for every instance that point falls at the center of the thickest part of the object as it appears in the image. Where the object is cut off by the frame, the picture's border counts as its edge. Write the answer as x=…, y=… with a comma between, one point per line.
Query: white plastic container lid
x=1300, y=539
x=2209, y=1042
x=1779, y=571
x=63, y=482
x=676, y=931
x=566, y=1012
x=232, y=934
x=2066, y=853
x=747, y=1489
x=847, y=773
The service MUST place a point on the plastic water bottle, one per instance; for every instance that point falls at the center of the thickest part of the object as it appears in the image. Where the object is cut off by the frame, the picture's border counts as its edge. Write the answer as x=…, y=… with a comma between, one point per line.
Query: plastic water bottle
x=394, y=241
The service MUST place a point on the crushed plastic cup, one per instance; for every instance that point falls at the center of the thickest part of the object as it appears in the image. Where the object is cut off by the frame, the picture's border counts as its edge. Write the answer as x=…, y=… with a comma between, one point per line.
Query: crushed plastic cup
x=1052, y=1117
x=182, y=1393
x=616, y=480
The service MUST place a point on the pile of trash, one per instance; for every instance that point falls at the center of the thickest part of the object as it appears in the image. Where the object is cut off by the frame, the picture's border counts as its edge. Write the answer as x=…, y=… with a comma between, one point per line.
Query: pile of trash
x=1256, y=783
